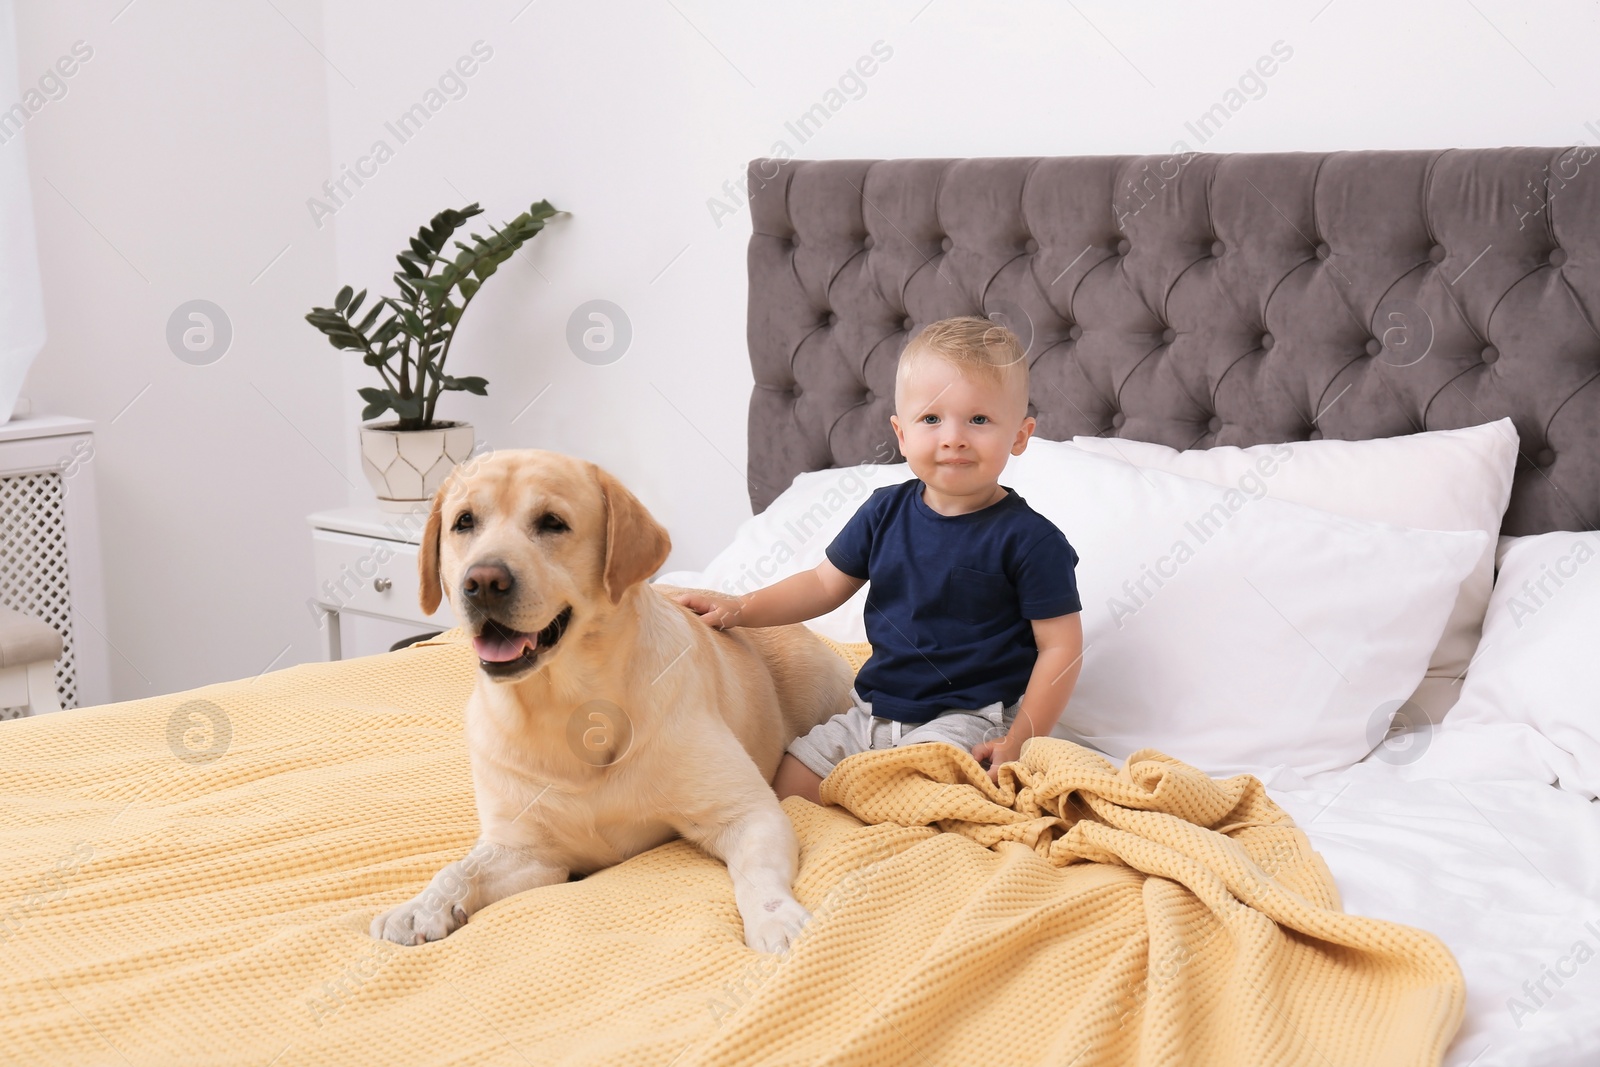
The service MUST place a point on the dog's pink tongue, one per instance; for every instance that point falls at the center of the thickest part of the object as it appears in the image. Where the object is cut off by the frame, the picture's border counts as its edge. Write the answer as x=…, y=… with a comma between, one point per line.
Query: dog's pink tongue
x=496, y=647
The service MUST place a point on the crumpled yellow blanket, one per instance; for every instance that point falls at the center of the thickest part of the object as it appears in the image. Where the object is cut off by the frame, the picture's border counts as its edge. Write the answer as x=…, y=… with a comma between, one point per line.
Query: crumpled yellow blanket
x=188, y=879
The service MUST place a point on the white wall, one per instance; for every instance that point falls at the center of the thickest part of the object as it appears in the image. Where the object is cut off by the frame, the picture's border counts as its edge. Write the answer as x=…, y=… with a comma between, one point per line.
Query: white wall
x=181, y=161
x=171, y=170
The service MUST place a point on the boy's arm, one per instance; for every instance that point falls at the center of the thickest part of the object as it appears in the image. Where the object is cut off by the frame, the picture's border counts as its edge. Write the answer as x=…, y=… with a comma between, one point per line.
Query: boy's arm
x=797, y=598
x=1055, y=673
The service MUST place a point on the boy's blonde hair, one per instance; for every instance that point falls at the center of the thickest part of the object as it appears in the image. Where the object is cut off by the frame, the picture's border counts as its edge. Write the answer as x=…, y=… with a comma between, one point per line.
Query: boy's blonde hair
x=973, y=346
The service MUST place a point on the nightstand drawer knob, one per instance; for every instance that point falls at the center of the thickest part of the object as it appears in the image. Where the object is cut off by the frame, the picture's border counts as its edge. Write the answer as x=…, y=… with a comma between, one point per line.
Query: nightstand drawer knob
x=382, y=585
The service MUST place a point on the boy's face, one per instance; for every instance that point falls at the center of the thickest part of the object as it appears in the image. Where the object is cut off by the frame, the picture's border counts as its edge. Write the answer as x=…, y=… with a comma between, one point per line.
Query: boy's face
x=956, y=431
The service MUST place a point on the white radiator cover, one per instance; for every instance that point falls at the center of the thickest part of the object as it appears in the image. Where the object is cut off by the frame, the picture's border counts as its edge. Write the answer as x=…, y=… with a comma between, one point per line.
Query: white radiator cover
x=50, y=547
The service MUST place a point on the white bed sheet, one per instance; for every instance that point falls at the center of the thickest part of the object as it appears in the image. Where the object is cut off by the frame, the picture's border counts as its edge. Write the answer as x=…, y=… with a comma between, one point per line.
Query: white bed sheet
x=1506, y=873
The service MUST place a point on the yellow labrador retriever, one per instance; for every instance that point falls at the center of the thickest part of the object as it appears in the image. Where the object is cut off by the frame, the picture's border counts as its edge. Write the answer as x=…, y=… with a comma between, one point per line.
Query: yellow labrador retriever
x=606, y=718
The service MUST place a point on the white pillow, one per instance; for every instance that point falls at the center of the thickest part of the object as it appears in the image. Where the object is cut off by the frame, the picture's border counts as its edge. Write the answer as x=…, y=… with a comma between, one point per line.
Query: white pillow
x=1235, y=631
x=1534, y=688
x=1437, y=480
x=1502, y=546
x=791, y=536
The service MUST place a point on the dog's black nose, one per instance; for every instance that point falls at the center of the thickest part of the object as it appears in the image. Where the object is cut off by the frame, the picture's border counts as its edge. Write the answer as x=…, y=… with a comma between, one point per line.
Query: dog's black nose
x=487, y=583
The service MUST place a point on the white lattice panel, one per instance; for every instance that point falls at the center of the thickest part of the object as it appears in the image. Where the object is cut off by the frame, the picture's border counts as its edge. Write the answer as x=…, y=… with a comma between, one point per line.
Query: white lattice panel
x=33, y=570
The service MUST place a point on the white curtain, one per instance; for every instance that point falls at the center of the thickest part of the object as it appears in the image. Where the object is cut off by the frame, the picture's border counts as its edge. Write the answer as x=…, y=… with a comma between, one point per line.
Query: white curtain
x=21, y=297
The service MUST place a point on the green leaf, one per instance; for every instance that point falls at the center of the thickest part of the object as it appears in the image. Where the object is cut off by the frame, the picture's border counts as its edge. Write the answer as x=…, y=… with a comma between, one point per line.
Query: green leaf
x=343, y=298
x=378, y=401
x=434, y=235
x=472, y=384
x=354, y=305
x=372, y=314
x=433, y=289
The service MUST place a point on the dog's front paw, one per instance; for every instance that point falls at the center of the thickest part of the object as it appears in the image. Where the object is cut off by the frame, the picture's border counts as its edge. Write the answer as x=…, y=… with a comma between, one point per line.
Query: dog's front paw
x=425, y=917
x=775, y=924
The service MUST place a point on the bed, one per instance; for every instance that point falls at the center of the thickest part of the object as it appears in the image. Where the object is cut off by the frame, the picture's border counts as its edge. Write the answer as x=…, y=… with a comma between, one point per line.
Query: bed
x=1208, y=301
x=189, y=878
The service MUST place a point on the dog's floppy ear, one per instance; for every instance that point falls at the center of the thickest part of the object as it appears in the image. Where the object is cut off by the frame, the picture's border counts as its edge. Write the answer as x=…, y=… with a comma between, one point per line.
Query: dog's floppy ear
x=636, y=544
x=428, y=556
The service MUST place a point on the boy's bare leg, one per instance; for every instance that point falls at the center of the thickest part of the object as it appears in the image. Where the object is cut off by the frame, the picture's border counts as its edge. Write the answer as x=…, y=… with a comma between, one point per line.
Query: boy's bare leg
x=795, y=779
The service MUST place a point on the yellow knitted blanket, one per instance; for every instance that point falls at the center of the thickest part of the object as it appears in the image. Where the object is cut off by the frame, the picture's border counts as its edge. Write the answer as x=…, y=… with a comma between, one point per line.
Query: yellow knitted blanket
x=188, y=879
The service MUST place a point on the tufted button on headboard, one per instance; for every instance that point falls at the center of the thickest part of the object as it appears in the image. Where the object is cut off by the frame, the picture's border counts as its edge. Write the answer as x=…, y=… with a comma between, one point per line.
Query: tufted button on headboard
x=1195, y=300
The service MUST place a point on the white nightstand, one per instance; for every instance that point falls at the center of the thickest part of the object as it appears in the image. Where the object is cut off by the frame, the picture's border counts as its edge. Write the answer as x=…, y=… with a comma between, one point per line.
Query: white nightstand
x=366, y=587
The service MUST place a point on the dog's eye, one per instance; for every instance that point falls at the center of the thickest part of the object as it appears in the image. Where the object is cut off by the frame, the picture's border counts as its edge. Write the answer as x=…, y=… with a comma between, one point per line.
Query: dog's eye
x=550, y=522
x=463, y=522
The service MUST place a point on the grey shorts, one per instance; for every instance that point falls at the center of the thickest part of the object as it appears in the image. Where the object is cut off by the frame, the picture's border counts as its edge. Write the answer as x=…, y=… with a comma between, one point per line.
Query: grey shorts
x=858, y=730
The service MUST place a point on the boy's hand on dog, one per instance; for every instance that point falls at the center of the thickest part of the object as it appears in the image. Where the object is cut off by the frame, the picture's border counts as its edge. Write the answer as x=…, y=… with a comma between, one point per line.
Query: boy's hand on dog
x=714, y=609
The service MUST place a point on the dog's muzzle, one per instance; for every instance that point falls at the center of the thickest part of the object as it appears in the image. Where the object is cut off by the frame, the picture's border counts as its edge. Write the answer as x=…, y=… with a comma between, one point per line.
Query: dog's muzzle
x=503, y=651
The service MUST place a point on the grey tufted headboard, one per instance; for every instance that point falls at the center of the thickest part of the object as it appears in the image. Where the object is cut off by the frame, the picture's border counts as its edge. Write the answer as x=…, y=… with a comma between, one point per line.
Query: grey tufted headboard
x=1195, y=300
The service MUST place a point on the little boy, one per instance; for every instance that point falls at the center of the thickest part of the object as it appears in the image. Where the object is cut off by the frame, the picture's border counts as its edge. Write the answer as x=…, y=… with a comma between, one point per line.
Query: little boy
x=974, y=609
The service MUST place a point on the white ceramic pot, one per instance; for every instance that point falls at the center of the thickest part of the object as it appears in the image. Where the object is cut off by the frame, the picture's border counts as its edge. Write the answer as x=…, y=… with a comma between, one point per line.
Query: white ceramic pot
x=405, y=467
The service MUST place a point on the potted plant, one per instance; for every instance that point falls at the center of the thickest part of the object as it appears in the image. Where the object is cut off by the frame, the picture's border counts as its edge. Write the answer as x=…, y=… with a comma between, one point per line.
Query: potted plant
x=408, y=457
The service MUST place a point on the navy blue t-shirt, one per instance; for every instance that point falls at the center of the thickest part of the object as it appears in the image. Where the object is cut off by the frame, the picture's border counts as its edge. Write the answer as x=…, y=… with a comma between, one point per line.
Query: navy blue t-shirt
x=951, y=597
